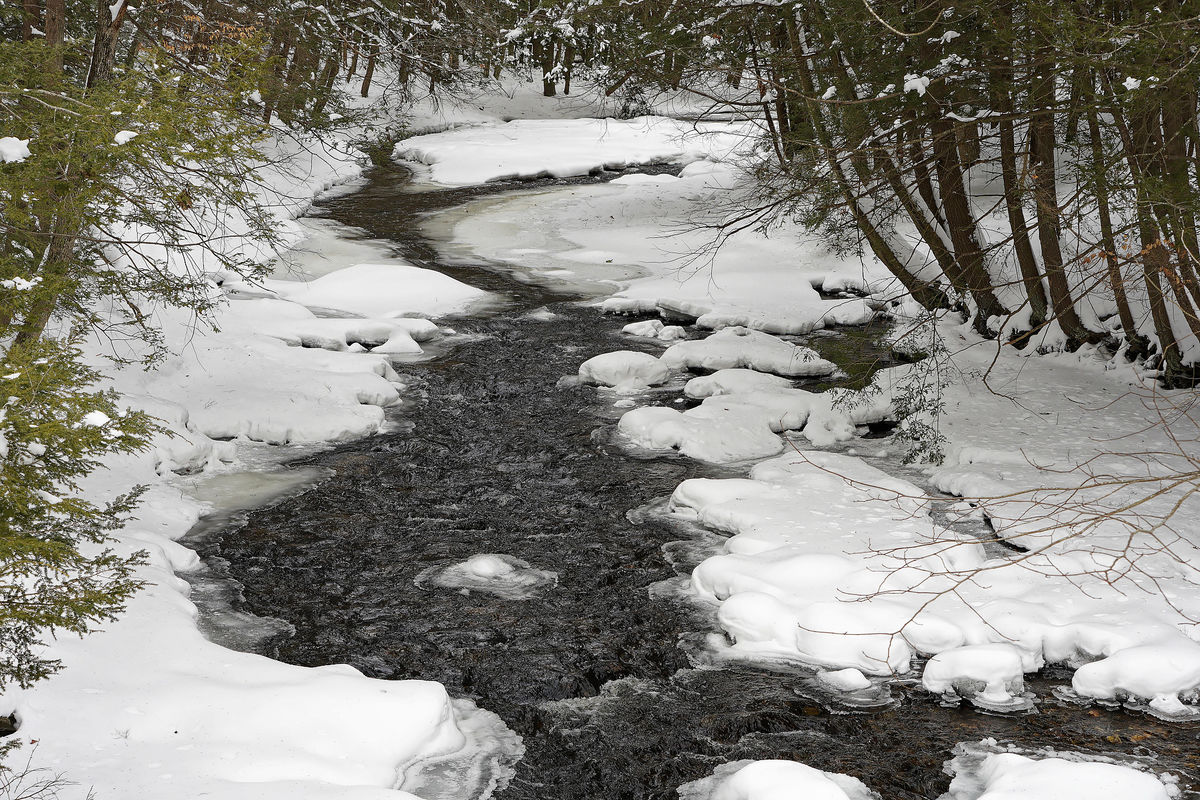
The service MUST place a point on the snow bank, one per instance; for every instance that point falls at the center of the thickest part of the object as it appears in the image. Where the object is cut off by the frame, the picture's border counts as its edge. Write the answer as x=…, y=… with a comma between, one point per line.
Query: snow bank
x=569, y=147
x=625, y=370
x=775, y=780
x=383, y=290
x=656, y=239
x=741, y=347
x=149, y=707
x=835, y=563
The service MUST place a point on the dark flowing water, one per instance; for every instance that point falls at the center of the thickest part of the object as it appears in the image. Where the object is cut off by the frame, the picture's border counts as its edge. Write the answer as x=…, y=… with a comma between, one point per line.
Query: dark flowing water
x=496, y=457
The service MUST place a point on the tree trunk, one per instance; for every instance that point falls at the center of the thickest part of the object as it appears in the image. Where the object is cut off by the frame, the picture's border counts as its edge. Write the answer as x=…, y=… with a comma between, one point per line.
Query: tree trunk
x=369, y=72
x=1042, y=146
x=1138, y=344
x=104, y=47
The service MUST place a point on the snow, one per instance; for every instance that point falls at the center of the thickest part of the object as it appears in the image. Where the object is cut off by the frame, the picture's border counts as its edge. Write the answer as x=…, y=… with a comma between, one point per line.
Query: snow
x=734, y=381
x=654, y=329
x=124, y=137
x=775, y=780
x=990, y=675
x=383, y=290
x=846, y=680
x=625, y=370
x=1008, y=446
x=13, y=150
x=985, y=772
x=716, y=435
x=565, y=148
x=741, y=347
x=656, y=240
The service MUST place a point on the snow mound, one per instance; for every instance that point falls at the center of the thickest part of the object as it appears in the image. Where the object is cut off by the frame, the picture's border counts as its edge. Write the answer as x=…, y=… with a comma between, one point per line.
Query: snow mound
x=655, y=329
x=734, y=381
x=295, y=325
x=383, y=290
x=719, y=436
x=736, y=427
x=984, y=772
x=566, y=148
x=1159, y=672
x=493, y=573
x=846, y=680
x=775, y=780
x=991, y=676
x=13, y=150
x=743, y=347
x=625, y=370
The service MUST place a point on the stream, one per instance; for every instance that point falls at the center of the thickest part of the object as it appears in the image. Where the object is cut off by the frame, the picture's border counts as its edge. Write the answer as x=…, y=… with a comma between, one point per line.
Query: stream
x=490, y=453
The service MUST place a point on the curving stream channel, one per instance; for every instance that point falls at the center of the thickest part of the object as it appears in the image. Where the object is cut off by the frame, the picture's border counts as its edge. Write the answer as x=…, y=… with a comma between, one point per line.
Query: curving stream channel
x=492, y=455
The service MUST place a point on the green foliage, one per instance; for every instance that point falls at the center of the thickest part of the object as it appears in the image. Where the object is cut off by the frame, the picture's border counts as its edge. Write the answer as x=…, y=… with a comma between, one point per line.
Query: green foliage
x=55, y=574
x=147, y=157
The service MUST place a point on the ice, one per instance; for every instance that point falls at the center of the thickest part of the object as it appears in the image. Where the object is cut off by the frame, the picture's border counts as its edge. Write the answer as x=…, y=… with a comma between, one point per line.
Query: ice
x=742, y=347
x=625, y=370
x=775, y=780
x=482, y=767
x=493, y=573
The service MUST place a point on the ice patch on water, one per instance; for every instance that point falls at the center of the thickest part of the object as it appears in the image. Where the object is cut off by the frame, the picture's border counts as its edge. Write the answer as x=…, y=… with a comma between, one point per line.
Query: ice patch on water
x=494, y=573
x=477, y=771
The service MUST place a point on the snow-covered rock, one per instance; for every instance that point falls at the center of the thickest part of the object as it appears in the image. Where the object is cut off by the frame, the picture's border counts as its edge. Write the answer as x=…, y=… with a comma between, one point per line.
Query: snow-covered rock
x=497, y=574
x=983, y=775
x=990, y=675
x=625, y=370
x=775, y=779
x=742, y=347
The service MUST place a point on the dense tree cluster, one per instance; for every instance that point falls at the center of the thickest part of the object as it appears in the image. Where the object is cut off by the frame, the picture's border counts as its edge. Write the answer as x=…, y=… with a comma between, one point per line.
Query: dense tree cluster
x=1033, y=164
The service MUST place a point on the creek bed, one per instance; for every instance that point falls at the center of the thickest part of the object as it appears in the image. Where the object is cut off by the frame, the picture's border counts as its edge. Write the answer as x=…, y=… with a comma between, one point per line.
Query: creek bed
x=495, y=456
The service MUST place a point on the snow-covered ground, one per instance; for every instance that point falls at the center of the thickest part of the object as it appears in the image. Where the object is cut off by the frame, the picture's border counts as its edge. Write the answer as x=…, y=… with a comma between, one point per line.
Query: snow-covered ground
x=148, y=707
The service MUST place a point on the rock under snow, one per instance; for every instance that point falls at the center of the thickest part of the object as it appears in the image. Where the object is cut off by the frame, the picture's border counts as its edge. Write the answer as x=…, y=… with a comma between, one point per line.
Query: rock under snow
x=775, y=779
x=627, y=370
x=989, y=675
x=493, y=573
x=742, y=347
x=1010, y=776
